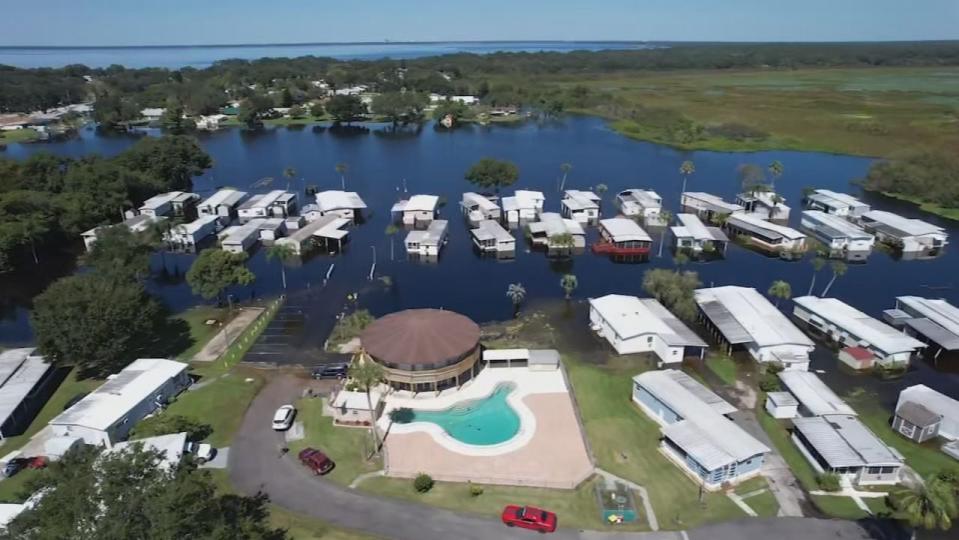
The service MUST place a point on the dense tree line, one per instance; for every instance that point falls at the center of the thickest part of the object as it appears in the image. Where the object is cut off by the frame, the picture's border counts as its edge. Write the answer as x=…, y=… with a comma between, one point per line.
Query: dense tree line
x=927, y=175
x=202, y=91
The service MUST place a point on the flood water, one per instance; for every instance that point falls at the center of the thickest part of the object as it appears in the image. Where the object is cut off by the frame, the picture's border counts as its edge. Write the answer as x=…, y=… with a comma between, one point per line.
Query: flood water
x=431, y=161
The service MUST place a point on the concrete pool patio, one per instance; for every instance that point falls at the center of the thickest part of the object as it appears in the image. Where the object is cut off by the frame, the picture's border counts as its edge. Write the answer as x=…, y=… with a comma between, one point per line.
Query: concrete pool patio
x=548, y=451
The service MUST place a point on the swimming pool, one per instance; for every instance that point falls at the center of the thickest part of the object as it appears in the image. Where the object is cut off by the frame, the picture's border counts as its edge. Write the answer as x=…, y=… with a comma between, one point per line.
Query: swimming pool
x=482, y=422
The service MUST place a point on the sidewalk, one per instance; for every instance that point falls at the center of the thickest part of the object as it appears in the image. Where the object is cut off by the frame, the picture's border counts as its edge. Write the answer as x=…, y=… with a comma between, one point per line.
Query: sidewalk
x=219, y=343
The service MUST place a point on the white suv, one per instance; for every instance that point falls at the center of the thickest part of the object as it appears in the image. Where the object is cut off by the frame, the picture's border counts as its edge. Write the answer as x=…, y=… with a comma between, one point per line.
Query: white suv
x=283, y=418
x=202, y=452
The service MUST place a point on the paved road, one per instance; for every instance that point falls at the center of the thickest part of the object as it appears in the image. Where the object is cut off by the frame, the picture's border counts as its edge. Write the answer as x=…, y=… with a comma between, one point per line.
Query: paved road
x=255, y=465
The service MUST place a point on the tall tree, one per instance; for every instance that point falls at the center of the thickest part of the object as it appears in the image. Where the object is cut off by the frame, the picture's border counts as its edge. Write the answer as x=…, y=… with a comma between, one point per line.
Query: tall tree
x=391, y=231
x=780, y=290
x=492, y=173
x=601, y=189
x=342, y=168
x=817, y=265
x=516, y=293
x=282, y=253
x=776, y=170
x=565, y=168
x=930, y=505
x=214, y=270
x=673, y=289
x=345, y=108
x=569, y=284
x=26, y=218
x=751, y=177
x=94, y=322
x=368, y=375
x=838, y=270
x=665, y=217
x=121, y=253
x=687, y=168
x=168, y=163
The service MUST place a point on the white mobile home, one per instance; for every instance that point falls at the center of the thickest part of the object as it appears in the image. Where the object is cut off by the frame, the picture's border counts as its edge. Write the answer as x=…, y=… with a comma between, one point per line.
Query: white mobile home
x=766, y=235
x=582, y=206
x=187, y=235
x=552, y=227
x=271, y=229
x=477, y=208
x=428, y=242
x=173, y=203
x=523, y=206
x=322, y=231
x=697, y=435
x=345, y=204
x=492, y=237
x=25, y=385
x=240, y=238
x=837, y=204
x=223, y=203
x=744, y=317
x=912, y=236
x=276, y=203
x=841, y=444
x=707, y=205
x=107, y=414
x=643, y=203
x=417, y=210
x=813, y=396
x=841, y=236
x=635, y=325
x=850, y=327
x=764, y=205
x=622, y=236
x=936, y=402
x=137, y=224
x=694, y=236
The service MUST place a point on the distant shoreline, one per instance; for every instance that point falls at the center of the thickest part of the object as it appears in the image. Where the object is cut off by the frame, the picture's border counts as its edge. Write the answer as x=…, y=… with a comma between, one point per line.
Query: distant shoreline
x=331, y=43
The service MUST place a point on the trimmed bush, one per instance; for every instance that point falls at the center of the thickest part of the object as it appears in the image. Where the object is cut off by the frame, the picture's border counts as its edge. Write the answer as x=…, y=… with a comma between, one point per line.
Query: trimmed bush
x=476, y=491
x=828, y=482
x=423, y=483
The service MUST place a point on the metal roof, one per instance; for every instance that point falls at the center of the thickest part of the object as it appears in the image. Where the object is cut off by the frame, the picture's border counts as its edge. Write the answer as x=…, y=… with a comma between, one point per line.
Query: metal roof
x=432, y=236
x=693, y=227
x=489, y=229
x=814, y=395
x=901, y=226
x=575, y=199
x=224, y=197
x=843, y=441
x=835, y=199
x=782, y=399
x=712, y=202
x=630, y=317
x=645, y=198
x=940, y=313
x=170, y=447
x=624, y=230
x=833, y=226
x=339, y=200
x=743, y=316
x=935, y=333
x=867, y=330
x=681, y=392
x=417, y=203
x=552, y=224
x=475, y=199
x=762, y=227
x=115, y=398
x=20, y=371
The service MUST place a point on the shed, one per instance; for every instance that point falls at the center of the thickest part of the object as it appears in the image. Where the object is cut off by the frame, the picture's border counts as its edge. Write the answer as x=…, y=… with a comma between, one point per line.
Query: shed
x=543, y=360
x=916, y=422
x=857, y=357
x=782, y=405
x=936, y=402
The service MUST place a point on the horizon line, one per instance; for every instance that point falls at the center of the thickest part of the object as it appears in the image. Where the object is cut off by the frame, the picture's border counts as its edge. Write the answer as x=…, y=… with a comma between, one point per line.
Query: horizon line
x=476, y=41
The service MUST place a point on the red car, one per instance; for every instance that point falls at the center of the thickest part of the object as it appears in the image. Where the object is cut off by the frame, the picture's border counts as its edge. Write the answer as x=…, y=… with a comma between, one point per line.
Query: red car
x=529, y=517
x=316, y=461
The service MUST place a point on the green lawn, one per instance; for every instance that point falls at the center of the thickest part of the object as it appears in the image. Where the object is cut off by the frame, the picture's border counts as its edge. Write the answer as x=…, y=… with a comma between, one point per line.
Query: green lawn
x=838, y=506
x=724, y=367
x=200, y=332
x=221, y=404
x=781, y=440
x=347, y=446
x=764, y=504
x=575, y=508
x=626, y=443
x=12, y=489
x=18, y=136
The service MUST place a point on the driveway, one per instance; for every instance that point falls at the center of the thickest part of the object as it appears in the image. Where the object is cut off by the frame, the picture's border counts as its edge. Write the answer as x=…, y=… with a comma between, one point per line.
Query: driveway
x=255, y=465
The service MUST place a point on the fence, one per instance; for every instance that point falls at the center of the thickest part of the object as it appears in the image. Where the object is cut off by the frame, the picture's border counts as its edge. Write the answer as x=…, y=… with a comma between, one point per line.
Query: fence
x=238, y=349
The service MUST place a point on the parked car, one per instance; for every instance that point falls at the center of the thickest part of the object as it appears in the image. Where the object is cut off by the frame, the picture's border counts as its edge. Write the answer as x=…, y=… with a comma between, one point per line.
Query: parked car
x=331, y=371
x=529, y=517
x=13, y=466
x=316, y=461
x=202, y=452
x=38, y=462
x=283, y=418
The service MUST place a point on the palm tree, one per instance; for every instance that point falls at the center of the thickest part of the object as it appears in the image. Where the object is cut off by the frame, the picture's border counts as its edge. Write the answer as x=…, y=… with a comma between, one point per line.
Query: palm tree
x=391, y=230
x=776, y=170
x=569, y=284
x=686, y=169
x=817, y=264
x=929, y=505
x=777, y=200
x=289, y=173
x=561, y=241
x=516, y=293
x=838, y=269
x=780, y=290
x=341, y=169
x=680, y=259
x=367, y=375
x=283, y=253
x=565, y=167
x=665, y=216
x=601, y=190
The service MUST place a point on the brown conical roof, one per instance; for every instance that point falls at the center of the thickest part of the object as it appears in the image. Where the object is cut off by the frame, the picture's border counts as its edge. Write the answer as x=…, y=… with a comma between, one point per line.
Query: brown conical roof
x=425, y=338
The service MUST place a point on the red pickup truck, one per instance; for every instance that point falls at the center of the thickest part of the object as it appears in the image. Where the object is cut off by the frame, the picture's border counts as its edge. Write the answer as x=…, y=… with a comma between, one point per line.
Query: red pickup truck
x=529, y=517
x=316, y=461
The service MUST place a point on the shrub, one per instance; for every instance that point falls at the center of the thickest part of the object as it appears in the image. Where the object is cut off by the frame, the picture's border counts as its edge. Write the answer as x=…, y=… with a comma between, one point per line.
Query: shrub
x=769, y=382
x=475, y=490
x=423, y=483
x=828, y=482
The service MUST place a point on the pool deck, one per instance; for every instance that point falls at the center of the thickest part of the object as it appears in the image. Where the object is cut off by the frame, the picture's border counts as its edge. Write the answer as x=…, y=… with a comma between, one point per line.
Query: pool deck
x=549, y=450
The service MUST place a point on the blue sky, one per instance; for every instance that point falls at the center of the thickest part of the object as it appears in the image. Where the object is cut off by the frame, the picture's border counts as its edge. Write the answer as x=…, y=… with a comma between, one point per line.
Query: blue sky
x=164, y=22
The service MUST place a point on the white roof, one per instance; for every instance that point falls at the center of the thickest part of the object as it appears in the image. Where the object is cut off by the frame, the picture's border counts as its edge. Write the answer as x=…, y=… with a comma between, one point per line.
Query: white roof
x=575, y=199
x=843, y=441
x=630, y=317
x=160, y=199
x=712, y=200
x=20, y=371
x=432, y=236
x=938, y=311
x=835, y=199
x=226, y=196
x=524, y=199
x=470, y=199
x=936, y=402
x=868, y=330
x=553, y=224
x=693, y=227
x=324, y=227
x=814, y=395
x=197, y=224
x=264, y=200
x=489, y=229
x=752, y=222
x=115, y=398
x=705, y=433
x=240, y=233
x=346, y=399
x=624, y=230
x=170, y=447
x=417, y=203
x=742, y=309
x=339, y=200
x=645, y=198
x=906, y=226
x=835, y=226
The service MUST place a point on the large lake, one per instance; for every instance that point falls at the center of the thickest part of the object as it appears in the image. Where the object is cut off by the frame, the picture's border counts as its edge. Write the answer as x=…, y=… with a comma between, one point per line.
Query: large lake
x=179, y=56
x=433, y=162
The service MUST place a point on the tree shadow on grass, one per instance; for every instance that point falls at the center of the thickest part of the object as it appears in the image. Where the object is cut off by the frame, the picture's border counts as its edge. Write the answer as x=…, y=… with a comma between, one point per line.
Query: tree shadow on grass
x=171, y=339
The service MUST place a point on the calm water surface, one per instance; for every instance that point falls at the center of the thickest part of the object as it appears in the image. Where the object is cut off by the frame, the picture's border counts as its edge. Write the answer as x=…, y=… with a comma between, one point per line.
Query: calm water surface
x=433, y=162
x=174, y=57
